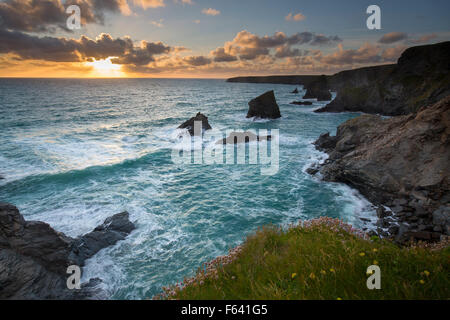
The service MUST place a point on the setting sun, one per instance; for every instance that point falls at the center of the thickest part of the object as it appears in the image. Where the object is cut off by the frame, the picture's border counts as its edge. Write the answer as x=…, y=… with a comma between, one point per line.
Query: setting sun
x=105, y=68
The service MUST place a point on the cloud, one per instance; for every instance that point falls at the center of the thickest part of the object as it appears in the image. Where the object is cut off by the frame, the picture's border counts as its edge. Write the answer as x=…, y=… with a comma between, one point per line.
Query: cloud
x=158, y=24
x=24, y=46
x=392, y=37
x=286, y=51
x=49, y=15
x=423, y=39
x=197, y=60
x=220, y=56
x=145, y=4
x=295, y=17
x=248, y=46
x=211, y=12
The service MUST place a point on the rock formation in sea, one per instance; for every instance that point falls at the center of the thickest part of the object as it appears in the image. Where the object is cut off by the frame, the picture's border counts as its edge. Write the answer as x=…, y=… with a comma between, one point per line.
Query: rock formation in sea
x=242, y=137
x=295, y=91
x=401, y=163
x=264, y=106
x=318, y=89
x=420, y=77
x=34, y=257
x=302, y=103
x=189, y=124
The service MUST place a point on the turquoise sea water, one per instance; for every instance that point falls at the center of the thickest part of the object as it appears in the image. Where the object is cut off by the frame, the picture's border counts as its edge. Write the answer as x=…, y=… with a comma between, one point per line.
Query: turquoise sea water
x=74, y=152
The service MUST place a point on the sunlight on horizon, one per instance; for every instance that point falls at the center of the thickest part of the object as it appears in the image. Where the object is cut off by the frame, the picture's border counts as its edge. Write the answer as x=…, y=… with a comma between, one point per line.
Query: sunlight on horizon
x=105, y=68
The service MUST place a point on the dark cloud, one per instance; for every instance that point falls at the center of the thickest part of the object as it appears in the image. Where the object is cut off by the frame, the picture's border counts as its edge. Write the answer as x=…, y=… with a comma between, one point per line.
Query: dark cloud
x=286, y=51
x=26, y=46
x=392, y=37
x=220, y=56
x=48, y=15
x=197, y=60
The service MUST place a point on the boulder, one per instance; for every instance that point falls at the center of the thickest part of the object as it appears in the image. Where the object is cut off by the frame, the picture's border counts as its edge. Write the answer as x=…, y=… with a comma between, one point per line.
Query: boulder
x=189, y=124
x=243, y=137
x=264, y=106
x=295, y=91
x=34, y=257
x=302, y=103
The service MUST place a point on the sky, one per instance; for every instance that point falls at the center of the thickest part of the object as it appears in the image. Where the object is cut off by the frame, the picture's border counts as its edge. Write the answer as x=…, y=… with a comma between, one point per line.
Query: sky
x=209, y=38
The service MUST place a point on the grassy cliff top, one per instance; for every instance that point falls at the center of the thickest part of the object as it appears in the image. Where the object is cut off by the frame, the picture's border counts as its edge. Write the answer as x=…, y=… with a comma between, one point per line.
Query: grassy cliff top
x=319, y=259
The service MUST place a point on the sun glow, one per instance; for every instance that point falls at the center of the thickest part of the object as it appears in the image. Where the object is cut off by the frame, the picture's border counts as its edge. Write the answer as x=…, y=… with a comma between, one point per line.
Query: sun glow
x=105, y=68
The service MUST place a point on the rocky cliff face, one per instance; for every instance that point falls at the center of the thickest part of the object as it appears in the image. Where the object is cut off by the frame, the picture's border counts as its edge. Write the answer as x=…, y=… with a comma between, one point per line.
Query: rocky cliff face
x=400, y=162
x=421, y=77
x=34, y=257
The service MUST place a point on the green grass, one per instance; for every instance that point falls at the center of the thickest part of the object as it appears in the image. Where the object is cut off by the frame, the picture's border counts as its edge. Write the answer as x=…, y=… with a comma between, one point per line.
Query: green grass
x=325, y=260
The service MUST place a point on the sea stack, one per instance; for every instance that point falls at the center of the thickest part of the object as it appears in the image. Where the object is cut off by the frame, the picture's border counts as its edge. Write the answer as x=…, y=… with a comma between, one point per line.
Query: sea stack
x=318, y=89
x=295, y=91
x=189, y=124
x=264, y=106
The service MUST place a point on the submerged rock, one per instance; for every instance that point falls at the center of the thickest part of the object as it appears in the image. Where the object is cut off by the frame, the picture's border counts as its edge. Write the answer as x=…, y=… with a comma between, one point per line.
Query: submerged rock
x=295, y=91
x=34, y=257
x=302, y=103
x=400, y=162
x=189, y=124
x=264, y=106
x=243, y=137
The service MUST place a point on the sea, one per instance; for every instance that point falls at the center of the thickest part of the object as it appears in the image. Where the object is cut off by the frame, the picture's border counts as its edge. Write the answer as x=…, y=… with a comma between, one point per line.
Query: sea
x=76, y=151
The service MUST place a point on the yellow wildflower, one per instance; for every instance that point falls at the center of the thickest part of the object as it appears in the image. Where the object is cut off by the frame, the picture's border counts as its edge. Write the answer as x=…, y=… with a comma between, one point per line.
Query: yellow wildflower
x=293, y=275
x=323, y=272
x=362, y=254
x=312, y=275
x=375, y=250
x=427, y=273
x=375, y=262
x=332, y=270
x=422, y=281
x=339, y=298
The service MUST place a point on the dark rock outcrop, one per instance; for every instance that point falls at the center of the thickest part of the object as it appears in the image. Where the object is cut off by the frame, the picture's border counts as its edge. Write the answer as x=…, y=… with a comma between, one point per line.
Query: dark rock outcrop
x=400, y=162
x=302, y=103
x=318, y=89
x=420, y=77
x=242, y=137
x=189, y=124
x=295, y=91
x=34, y=257
x=264, y=106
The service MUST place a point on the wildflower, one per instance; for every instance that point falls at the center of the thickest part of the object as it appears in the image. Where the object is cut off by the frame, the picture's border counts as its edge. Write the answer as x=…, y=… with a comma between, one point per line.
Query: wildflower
x=323, y=272
x=339, y=298
x=369, y=272
x=375, y=262
x=362, y=254
x=332, y=270
x=312, y=275
x=427, y=273
x=422, y=281
x=293, y=275
x=375, y=250
x=233, y=277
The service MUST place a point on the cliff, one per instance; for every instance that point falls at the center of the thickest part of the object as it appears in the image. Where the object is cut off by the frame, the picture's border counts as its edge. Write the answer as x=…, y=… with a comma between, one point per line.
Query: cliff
x=420, y=77
x=402, y=163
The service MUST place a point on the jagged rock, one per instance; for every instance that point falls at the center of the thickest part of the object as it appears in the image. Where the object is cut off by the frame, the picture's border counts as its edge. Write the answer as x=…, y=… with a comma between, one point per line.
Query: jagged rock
x=34, y=257
x=242, y=137
x=302, y=103
x=295, y=91
x=189, y=124
x=325, y=142
x=318, y=89
x=401, y=162
x=264, y=106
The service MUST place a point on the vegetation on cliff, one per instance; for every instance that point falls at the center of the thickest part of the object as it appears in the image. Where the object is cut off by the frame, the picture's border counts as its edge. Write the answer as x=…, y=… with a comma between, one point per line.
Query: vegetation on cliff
x=319, y=259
